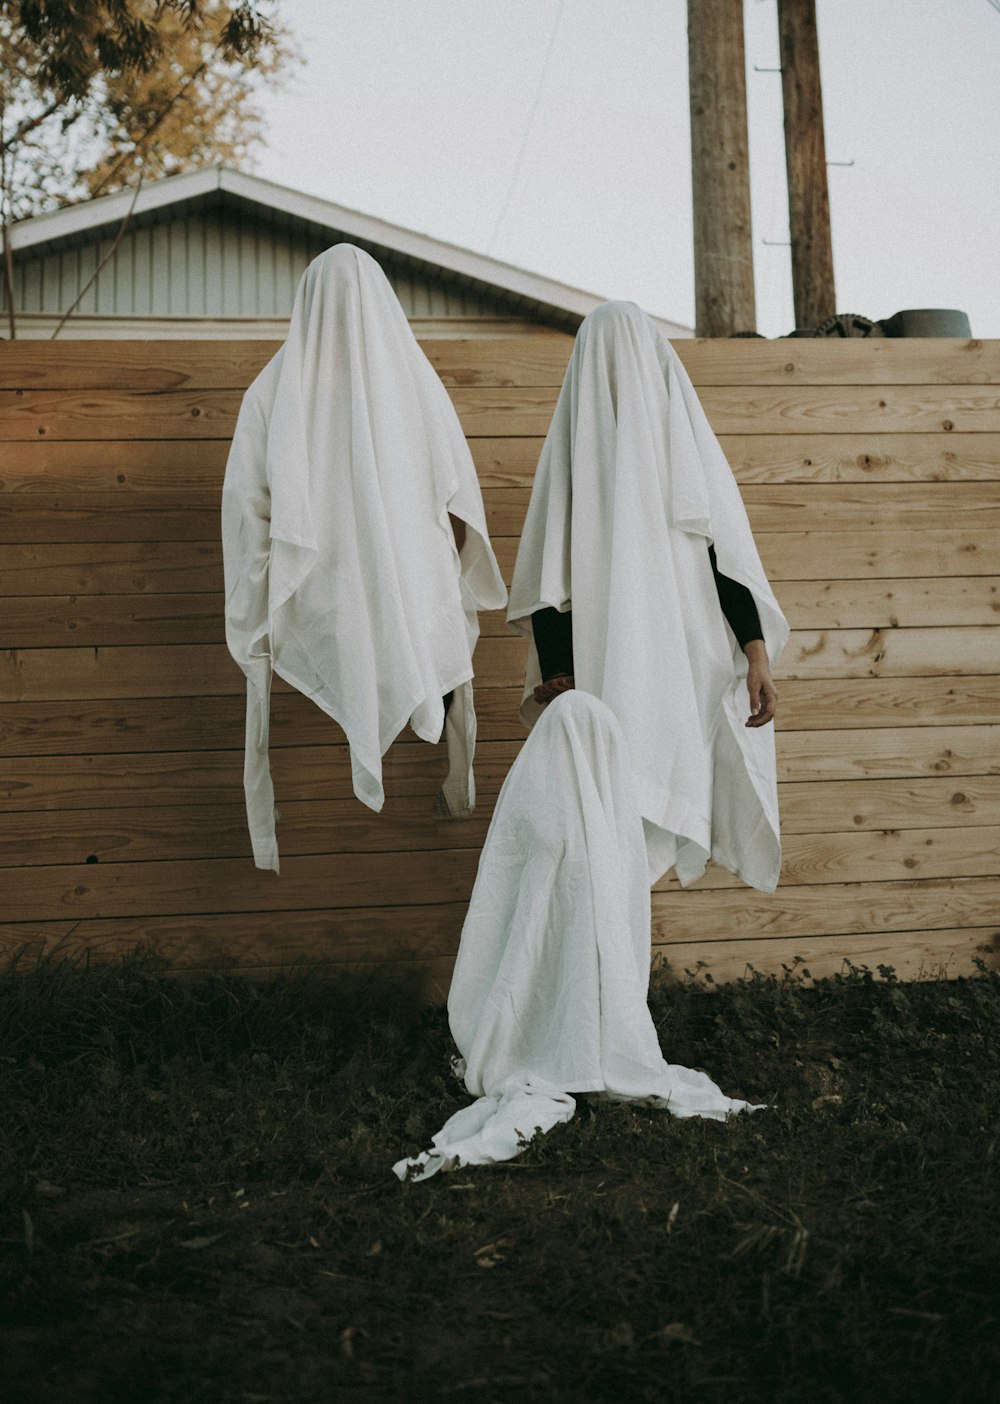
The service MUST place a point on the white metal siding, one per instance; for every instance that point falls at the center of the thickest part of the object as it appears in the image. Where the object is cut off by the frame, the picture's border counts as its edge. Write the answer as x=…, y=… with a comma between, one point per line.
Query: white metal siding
x=211, y=264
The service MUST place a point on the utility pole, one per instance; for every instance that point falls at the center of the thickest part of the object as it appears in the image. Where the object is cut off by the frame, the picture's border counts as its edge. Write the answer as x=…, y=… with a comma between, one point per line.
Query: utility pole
x=805, y=161
x=720, y=169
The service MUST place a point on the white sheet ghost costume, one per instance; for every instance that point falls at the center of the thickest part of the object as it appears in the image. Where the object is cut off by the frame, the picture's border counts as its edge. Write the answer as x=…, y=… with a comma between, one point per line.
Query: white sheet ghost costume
x=549, y=992
x=342, y=574
x=631, y=487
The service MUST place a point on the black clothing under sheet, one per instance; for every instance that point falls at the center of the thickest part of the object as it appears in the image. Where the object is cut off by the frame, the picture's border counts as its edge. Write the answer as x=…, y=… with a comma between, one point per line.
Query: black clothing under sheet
x=553, y=630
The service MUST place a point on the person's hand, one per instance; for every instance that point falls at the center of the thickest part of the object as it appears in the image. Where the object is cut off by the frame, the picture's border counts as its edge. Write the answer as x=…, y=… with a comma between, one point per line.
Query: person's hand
x=760, y=686
x=546, y=691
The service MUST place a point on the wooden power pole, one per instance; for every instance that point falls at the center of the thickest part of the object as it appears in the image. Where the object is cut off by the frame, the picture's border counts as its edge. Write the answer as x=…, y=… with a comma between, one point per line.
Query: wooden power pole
x=723, y=236
x=805, y=159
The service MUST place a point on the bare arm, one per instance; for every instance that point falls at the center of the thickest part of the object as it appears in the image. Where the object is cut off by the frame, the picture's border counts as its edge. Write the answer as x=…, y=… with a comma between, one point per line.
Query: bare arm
x=760, y=686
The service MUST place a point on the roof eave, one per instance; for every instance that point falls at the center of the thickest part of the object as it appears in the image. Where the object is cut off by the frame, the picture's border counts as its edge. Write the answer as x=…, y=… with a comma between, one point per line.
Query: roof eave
x=548, y=296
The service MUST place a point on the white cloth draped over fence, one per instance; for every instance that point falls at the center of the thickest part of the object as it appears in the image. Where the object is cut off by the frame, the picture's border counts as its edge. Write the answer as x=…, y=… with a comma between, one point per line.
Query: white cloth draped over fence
x=342, y=573
x=631, y=487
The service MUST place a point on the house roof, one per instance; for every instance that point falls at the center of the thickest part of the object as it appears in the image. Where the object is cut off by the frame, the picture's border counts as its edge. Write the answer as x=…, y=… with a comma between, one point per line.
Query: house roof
x=543, y=297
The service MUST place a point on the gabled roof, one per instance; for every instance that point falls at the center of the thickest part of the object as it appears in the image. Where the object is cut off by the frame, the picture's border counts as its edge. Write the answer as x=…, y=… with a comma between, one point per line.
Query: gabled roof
x=547, y=299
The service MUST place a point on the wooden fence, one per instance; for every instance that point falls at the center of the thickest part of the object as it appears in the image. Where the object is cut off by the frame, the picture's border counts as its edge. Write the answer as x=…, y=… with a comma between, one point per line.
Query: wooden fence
x=871, y=472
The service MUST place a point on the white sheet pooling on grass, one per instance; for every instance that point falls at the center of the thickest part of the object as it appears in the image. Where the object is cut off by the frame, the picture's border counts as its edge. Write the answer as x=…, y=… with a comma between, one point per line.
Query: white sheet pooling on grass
x=631, y=487
x=550, y=985
x=342, y=574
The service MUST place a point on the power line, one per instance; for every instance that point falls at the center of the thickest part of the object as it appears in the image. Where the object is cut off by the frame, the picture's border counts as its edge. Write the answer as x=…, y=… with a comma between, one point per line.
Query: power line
x=528, y=127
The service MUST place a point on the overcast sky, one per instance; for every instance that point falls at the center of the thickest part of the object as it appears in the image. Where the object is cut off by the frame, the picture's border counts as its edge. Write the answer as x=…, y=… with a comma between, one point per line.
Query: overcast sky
x=554, y=134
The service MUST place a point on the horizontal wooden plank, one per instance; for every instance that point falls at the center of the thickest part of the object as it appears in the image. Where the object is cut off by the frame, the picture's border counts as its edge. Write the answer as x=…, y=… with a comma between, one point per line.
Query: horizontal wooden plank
x=36, y=621
x=531, y=360
x=863, y=458
x=340, y=828
x=526, y=360
x=59, y=467
x=40, y=621
x=210, y=365
x=852, y=555
x=519, y=410
x=184, y=516
x=851, y=409
x=185, y=721
x=883, y=855
x=106, y=517
x=70, y=673
x=211, y=414
x=120, y=568
x=900, y=653
x=176, y=517
x=134, y=365
x=913, y=955
x=121, y=675
x=220, y=885
x=142, y=724
x=188, y=669
x=113, y=568
x=118, y=414
x=404, y=877
x=198, y=777
x=492, y=412
x=922, y=603
x=829, y=910
x=201, y=723
x=157, y=832
x=430, y=935
x=834, y=805
x=887, y=702
x=870, y=753
x=346, y=935
x=194, y=466
x=880, y=506
x=216, y=777
x=853, y=361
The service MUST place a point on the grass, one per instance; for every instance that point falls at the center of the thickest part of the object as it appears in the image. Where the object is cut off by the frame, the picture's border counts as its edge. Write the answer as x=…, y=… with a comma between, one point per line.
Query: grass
x=196, y=1202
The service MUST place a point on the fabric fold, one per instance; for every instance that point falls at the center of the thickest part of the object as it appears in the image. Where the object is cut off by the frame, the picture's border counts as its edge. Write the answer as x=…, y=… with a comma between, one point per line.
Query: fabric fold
x=548, y=997
x=342, y=573
x=632, y=485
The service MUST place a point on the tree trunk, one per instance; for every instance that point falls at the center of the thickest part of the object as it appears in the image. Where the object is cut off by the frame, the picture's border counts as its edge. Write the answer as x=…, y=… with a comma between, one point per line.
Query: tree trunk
x=720, y=170
x=805, y=160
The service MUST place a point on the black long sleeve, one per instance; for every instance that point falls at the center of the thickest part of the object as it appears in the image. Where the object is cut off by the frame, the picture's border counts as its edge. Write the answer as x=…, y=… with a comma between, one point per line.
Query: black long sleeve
x=553, y=633
x=553, y=629
x=737, y=605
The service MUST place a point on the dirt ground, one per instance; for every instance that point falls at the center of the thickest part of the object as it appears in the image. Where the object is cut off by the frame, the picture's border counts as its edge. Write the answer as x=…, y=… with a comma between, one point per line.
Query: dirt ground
x=196, y=1203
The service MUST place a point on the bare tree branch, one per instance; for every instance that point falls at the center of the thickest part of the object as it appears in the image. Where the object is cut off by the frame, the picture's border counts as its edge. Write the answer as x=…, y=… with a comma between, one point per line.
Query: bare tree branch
x=106, y=259
x=110, y=175
x=29, y=124
x=127, y=156
x=8, y=252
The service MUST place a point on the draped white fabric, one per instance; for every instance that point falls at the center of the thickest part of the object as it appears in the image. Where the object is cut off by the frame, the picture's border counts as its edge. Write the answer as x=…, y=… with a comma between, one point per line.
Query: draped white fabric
x=631, y=487
x=549, y=991
x=342, y=574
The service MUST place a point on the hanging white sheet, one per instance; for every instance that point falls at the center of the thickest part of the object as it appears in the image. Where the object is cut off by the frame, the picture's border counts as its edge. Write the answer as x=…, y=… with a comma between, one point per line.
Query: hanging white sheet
x=342, y=574
x=631, y=487
x=549, y=992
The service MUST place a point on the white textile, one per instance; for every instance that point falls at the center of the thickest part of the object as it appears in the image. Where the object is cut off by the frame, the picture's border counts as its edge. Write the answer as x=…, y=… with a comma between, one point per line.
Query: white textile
x=342, y=574
x=549, y=992
x=631, y=487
